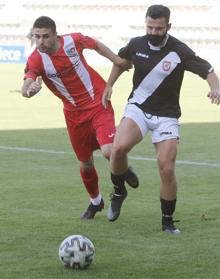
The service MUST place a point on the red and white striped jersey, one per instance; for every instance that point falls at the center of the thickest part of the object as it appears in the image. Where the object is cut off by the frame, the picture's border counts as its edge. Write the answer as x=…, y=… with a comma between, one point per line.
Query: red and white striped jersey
x=67, y=74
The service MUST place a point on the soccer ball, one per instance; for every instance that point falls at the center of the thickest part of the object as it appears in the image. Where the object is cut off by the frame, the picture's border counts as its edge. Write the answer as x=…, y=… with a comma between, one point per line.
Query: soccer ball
x=76, y=251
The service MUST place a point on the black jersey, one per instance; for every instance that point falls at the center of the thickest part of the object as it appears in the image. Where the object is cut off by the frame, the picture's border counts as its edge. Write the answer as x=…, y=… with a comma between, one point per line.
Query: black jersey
x=158, y=73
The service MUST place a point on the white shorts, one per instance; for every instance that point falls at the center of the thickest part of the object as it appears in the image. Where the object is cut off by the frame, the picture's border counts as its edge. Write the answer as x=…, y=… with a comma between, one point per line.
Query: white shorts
x=162, y=128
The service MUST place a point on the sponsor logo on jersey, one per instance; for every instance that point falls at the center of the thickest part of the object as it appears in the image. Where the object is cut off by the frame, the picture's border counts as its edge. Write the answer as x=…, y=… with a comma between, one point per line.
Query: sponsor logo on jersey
x=61, y=73
x=142, y=55
x=166, y=65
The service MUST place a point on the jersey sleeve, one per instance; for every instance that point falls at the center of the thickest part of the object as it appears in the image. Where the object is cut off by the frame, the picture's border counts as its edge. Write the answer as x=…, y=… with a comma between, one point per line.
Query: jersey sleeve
x=129, y=50
x=195, y=64
x=126, y=52
x=84, y=41
x=32, y=68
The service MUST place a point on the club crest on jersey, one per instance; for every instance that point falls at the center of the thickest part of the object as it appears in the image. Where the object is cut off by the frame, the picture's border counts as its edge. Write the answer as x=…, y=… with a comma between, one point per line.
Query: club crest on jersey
x=166, y=66
x=70, y=52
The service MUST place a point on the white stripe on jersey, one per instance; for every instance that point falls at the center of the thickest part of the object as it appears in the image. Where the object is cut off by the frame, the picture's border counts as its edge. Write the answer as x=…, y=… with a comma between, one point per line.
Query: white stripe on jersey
x=155, y=77
x=49, y=68
x=78, y=65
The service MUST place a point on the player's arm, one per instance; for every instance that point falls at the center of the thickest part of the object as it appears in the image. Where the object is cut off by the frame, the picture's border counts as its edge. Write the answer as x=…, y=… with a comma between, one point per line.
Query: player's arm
x=31, y=87
x=214, y=93
x=108, y=53
x=114, y=75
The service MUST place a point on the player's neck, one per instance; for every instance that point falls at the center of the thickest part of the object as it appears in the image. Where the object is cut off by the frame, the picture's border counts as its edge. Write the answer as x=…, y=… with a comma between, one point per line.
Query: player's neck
x=56, y=46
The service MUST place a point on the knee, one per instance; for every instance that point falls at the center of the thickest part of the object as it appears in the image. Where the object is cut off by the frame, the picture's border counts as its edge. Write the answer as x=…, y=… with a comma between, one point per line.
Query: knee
x=106, y=151
x=167, y=169
x=107, y=154
x=119, y=150
x=86, y=166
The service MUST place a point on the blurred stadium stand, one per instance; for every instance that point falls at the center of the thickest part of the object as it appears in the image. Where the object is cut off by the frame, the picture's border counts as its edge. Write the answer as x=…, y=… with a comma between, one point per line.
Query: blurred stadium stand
x=114, y=22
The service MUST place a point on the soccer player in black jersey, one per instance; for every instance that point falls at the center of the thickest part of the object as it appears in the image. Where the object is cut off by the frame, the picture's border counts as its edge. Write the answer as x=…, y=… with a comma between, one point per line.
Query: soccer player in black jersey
x=159, y=62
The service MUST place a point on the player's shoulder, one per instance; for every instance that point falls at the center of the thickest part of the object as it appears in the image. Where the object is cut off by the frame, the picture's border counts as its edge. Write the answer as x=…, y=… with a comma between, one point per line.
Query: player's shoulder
x=177, y=44
x=139, y=40
x=35, y=60
x=75, y=35
x=34, y=55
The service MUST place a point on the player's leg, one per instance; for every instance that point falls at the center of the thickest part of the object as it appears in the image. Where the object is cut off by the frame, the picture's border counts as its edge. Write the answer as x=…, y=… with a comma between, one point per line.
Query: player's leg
x=82, y=139
x=166, y=151
x=105, y=136
x=130, y=176
x=90, y=179
x=128, y=134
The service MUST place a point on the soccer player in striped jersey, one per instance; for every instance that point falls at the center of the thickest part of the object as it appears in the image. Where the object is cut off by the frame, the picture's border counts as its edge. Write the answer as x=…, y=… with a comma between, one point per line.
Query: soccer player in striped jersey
x=159, y=62
x=59, y=62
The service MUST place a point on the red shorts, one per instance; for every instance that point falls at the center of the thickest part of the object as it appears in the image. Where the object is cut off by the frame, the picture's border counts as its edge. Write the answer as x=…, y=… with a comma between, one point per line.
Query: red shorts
x=90, y=129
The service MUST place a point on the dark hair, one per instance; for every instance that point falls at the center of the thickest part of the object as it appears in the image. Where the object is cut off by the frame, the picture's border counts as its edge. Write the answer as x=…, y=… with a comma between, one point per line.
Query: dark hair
x=45, y=22
x=158, y=11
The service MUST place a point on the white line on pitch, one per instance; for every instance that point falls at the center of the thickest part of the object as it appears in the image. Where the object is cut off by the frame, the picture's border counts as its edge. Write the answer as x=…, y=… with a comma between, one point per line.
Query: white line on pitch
x=136, y=158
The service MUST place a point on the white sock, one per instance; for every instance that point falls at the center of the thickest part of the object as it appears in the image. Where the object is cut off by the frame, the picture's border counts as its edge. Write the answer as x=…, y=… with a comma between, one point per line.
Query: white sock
x=97, y=200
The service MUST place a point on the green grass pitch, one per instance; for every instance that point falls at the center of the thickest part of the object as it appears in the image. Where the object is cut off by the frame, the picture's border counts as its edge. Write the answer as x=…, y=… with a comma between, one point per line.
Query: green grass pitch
x=42, y=196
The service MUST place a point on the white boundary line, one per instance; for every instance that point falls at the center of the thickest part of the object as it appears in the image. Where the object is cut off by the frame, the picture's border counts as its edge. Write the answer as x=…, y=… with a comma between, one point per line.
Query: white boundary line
x=136, y=158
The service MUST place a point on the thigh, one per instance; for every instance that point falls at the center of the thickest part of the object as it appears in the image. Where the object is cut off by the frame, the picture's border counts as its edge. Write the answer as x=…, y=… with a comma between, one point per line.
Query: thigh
x=103, y=123
x=82, y=136
x=166, y=151
x=138, y=116
x=128, y=134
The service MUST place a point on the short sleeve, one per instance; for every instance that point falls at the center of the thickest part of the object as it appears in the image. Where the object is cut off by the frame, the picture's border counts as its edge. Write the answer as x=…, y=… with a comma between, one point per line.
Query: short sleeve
x=32, y=68
x=126, y=52
x=84, y=41
x=194, y=63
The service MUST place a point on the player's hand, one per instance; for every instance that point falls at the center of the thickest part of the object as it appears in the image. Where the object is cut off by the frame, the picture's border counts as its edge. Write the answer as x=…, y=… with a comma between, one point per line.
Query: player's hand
x=106, y=97
x=214, y=96
x=35, y=87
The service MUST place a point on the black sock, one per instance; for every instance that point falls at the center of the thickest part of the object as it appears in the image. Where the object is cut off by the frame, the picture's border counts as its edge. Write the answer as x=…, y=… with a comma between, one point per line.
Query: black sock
x=118, y=182
x=167, y=208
